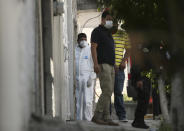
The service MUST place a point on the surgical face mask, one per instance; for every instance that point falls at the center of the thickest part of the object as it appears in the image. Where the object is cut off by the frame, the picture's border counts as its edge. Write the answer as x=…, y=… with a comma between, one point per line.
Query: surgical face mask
x=83, y=44
x=108, y=24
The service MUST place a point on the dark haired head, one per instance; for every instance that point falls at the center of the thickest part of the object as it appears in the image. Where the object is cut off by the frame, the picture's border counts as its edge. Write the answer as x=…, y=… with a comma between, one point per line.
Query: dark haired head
x=81, y=35
x=105, y=13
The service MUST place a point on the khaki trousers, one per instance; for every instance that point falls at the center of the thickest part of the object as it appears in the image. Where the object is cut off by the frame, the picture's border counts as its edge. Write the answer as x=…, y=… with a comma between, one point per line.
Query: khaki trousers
x=106, y=77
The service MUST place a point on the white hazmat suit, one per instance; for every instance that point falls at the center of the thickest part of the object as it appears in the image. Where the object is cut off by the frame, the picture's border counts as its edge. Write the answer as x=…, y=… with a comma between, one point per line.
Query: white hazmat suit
x=85, y=81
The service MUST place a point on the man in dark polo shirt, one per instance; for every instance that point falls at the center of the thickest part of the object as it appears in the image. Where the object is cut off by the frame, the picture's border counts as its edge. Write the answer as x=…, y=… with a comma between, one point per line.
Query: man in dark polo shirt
x=103, y=54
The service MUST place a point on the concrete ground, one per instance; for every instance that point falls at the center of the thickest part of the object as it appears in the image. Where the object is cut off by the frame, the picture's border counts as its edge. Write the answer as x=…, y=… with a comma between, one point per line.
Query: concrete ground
x=54, y=124
x=57, y=125
x=123, y=126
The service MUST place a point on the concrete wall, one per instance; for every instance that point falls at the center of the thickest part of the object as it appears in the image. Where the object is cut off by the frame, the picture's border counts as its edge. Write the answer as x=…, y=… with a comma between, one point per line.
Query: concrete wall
x=36, y=52
x=39, y=71
x=58, y=66
x=63, y=99
x=72, y=33
x=130, y=110
x=17, y=59
x=87, y=20
x=63, y=56
x=47, y=36
x=65, y=38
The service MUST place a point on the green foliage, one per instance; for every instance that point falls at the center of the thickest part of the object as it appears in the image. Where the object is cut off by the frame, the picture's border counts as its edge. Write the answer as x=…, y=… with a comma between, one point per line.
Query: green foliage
x=153, y=76
x=157, y=20
x=138, y=14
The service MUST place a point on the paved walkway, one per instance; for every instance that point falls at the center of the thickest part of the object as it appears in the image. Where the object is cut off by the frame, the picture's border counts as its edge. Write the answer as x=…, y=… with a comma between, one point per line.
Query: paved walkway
x=58, y=125
x=90, y=126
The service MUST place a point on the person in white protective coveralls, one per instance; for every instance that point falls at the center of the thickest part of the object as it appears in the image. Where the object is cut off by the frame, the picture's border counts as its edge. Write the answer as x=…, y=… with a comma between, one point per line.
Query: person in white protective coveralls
x=85, y=79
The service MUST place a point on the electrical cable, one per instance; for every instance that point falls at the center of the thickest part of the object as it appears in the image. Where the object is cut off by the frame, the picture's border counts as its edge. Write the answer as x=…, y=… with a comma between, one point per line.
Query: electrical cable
x=89, y=20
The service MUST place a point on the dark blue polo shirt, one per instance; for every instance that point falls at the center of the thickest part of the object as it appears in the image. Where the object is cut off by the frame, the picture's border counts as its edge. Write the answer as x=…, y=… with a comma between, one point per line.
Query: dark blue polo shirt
x=105, y=49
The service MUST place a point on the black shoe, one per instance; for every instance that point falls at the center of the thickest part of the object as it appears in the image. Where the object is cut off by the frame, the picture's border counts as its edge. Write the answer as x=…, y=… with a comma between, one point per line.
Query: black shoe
x=140, y=125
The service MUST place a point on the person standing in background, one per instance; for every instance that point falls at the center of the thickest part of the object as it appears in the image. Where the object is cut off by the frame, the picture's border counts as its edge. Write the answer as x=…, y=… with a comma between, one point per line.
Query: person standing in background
x=102, y=49
x=122, y=52
x=85, y=79
x=141, y=64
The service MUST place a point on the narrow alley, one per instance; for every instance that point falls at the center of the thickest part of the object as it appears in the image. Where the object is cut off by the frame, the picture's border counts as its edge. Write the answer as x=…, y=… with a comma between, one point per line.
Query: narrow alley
x=38, y=70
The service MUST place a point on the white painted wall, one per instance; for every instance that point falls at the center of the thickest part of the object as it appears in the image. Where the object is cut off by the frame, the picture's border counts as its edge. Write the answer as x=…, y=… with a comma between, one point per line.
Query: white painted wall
x=71, y=21
x=65, y=86
x=87, y=20
x=58, y=66
x=63, y=61
x=17, y=50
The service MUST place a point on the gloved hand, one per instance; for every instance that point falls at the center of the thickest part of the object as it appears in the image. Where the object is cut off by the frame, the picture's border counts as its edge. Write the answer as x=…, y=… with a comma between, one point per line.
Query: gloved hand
x=91, y=78
x=89, y=82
